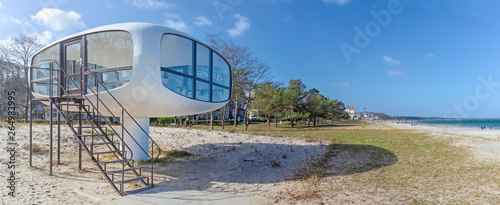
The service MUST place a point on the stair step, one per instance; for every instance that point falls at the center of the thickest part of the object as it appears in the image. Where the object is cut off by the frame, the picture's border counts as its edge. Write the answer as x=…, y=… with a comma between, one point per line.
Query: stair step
x=107, y=152
x=84, y=127
x=60, y=99
x=131, y=180
x=94, y=135
x=141, y=189
x=100, y=143
x=110, y=162
x=119, y=171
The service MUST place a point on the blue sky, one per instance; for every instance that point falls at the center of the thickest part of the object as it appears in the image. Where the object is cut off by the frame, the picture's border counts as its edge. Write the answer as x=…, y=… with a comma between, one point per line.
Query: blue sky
x=413, y=57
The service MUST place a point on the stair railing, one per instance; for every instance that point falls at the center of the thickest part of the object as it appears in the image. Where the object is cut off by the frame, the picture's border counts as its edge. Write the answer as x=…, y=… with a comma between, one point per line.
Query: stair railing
x=66, y=117
x=124, y=111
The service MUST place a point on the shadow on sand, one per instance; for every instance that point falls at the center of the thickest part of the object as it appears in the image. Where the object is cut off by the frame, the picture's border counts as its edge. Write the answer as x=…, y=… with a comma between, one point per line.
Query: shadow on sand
x=260, y=163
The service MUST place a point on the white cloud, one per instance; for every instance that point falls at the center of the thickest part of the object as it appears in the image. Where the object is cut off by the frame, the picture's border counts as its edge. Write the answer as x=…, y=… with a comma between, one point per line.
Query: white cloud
x=342, y=85
x=242, y=24
x=6, y=41
x=394, y=73
x=59, y=20
x=43, y=38
x=150, y=4
x=108, y=4
x=202, y=21
x=174, y=21
x=1, y=5
x=392, y=61
x=339, y=2
x=287, y=19
x=430, y=55
x=16, y=21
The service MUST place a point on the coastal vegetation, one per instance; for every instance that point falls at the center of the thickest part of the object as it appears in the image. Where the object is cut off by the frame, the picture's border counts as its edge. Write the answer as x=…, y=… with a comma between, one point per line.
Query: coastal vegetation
x=400, y=166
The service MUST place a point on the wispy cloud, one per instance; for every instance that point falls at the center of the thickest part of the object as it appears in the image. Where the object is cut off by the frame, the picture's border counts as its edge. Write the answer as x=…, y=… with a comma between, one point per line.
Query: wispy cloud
x=339, y=2
x=108, y=5
x=287, y=19
x=430, y=55
x=59, y=20
x=1, y=5
x=150, y=4
x=394, y=73
x=43, y=38
x=341, y=85
x=6, y=41
x=174, y=21
x=202, y=21
x=241, y=25
x=392, y=61
x=16, y=21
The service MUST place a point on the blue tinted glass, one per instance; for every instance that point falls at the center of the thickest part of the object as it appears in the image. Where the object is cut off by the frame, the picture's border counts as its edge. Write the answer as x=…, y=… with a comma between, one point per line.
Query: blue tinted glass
x=220, y=71
x=202, y=91
x=219, y=94
x=177, y=53
x=202, y=62
x=178, y=84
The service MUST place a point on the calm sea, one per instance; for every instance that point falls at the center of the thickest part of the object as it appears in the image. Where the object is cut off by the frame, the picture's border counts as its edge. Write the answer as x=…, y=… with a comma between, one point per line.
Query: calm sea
x=472, y=123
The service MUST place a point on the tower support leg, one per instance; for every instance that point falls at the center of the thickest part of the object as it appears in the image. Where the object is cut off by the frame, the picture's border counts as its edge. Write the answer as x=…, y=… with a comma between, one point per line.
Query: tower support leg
x=139, y=136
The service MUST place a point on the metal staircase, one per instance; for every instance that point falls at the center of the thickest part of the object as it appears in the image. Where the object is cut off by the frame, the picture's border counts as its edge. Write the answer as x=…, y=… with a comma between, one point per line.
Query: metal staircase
x=102, y=140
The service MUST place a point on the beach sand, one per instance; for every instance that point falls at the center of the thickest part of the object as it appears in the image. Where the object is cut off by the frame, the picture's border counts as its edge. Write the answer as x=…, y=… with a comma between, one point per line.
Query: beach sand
x=228, y=163
x=485, y=144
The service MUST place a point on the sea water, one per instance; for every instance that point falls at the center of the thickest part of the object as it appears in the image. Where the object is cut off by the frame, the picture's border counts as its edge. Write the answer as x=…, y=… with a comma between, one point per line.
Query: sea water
x=469, y=123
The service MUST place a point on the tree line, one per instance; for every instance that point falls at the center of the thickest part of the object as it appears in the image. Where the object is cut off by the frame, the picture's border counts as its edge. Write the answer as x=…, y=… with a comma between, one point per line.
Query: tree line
x=252, y=87
x=15, y=59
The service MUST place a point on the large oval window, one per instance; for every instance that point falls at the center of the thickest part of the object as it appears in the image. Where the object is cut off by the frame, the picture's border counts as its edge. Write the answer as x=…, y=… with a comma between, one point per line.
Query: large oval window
x=194, y=70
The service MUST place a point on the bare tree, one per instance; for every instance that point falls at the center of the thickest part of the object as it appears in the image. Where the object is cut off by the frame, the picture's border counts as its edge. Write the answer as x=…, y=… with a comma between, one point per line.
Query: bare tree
x=20, y=51
x=212, y=120
x=239, y=58
x=11, y=79
x=223, y=116
x=258, y=73
x=247, y=71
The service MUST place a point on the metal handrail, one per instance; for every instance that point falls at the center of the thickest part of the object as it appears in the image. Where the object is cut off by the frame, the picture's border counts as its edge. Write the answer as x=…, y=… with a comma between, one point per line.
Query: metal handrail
x=83, y=84
x=120, y=137
x=123, y=109
x=99, y=113
x=153, y=143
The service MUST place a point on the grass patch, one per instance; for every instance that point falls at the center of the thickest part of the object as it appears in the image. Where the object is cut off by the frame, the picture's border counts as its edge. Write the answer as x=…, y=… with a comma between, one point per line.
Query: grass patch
x=415, y=167
x=36, y=148
x=315, y=169
x=166, y=155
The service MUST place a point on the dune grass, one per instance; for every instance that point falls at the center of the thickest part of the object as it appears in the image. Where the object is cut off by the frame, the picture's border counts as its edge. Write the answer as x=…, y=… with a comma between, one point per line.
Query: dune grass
x=166, y=155
x=427, y=170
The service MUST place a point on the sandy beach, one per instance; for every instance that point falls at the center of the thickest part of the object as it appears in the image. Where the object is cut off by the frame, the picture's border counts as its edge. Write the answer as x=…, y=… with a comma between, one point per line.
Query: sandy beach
x=229, y=163
x=485, y=144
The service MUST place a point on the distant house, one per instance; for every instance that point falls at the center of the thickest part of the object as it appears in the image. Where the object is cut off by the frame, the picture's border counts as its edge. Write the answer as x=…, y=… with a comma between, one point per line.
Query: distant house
x=46, y=113
x=352, y=113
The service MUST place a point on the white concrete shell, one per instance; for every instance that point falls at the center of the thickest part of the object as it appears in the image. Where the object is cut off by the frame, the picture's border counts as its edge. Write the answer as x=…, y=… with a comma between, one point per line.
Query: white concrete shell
x=145, y=96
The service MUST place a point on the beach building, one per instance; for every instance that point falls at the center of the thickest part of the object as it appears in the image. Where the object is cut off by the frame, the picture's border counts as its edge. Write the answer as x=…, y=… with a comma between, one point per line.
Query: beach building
x=352, y=113
x=130, y=72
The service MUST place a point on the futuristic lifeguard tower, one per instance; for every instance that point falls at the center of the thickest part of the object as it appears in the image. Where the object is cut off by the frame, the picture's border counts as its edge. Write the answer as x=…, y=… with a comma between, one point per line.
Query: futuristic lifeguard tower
x=130, y=72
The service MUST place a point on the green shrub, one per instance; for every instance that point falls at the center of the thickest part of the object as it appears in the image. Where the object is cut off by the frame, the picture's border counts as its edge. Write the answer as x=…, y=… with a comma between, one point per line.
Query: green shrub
x=165, y=120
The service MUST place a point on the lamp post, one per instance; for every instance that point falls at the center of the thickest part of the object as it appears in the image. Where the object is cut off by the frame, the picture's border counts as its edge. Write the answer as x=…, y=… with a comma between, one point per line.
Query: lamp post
x=364, y=113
